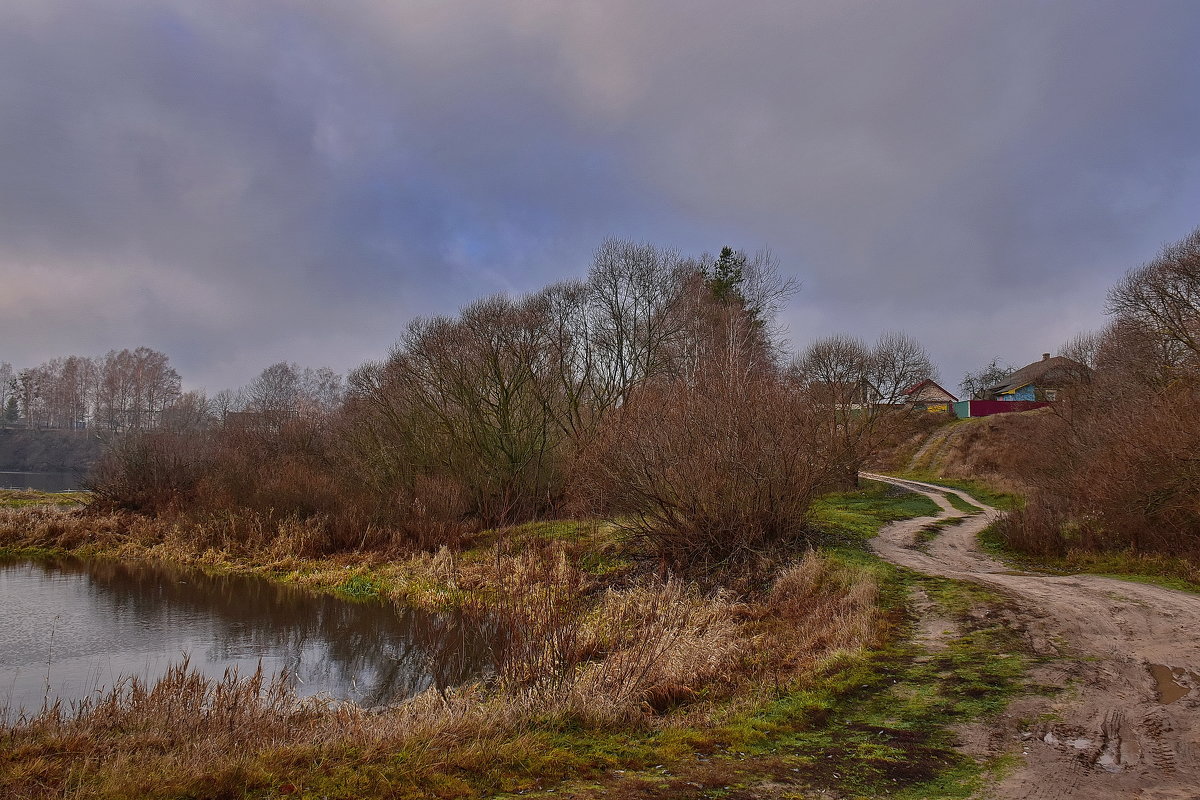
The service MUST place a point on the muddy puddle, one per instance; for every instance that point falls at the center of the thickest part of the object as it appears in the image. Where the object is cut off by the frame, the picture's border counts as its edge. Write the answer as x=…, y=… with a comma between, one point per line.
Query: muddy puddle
x=1172, y=684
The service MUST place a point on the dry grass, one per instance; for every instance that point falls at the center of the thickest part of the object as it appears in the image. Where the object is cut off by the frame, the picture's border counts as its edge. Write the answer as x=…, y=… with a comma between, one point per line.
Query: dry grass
x=992, y=450
x=585, y=643
x=817, y=607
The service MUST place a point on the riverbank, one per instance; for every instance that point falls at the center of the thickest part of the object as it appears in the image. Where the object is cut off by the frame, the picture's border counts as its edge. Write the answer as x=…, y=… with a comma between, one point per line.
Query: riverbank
x=29, y=498
x=796, y=672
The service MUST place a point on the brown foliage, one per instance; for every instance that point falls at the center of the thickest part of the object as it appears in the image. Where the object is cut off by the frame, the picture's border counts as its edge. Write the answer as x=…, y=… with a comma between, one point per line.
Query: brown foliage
x=250, y=488
x=1115, y=472
x=1115, y=467
x=711, y=470
x=650, y=390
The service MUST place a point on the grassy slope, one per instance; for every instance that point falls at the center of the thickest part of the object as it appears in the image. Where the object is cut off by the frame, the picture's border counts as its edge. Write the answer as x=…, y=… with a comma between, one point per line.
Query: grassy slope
x=876, y=723
x=870, y=722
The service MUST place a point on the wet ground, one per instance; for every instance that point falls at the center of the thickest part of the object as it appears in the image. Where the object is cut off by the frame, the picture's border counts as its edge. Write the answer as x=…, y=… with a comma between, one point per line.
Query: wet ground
x=1126, y=654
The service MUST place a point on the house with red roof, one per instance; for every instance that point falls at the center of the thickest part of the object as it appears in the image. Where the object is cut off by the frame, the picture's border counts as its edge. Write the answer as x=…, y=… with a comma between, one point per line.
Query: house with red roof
x=927, y=395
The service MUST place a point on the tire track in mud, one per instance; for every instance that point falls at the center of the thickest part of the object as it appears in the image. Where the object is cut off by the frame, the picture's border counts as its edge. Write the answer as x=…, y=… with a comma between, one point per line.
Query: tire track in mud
x=1110, y=734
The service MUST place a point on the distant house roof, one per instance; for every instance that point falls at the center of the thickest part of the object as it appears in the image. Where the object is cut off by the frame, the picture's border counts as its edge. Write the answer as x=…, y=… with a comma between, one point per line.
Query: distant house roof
x=922, y=390
x=1051, y=372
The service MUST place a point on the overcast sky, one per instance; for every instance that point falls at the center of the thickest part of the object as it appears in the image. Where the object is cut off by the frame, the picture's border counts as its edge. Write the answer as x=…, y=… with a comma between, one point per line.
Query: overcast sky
x=238, y=183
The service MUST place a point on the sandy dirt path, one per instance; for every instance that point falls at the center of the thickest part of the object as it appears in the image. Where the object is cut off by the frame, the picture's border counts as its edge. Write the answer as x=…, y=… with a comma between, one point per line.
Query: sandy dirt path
x=1128, y=723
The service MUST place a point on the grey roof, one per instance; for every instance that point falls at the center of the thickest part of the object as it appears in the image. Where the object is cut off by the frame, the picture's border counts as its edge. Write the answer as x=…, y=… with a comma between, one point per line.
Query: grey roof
x=1047, y=373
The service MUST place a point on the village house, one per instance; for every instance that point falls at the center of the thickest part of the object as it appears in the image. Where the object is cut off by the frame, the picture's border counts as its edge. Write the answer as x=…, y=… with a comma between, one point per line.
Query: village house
x=1040, y=381
x=928, y=396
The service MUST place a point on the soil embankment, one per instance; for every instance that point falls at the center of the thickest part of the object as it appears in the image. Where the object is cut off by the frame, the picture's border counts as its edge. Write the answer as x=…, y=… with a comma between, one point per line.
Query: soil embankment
x=1128, y=722
x=989, y=449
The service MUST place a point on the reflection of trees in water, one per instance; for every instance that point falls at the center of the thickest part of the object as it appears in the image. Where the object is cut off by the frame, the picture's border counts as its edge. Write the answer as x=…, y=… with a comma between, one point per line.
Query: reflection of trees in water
x=379, y=652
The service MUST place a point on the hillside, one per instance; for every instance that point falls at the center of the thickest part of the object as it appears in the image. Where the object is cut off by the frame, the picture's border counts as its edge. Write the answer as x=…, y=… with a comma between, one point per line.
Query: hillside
x=987, y=449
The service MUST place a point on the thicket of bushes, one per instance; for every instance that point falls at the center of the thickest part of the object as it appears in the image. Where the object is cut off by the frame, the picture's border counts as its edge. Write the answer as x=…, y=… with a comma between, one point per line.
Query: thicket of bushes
x=1116, y=467
x=653, y=390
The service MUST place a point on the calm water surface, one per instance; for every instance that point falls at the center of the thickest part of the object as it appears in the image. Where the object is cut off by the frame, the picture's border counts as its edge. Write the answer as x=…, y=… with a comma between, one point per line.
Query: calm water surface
x=42, y=481
x=80, y=626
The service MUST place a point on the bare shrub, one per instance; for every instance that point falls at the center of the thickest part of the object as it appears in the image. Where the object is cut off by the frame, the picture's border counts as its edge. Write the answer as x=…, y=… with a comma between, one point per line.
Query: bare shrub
x=152, y=471
x=1115, y=468
x=711, y=470
x=1115, y=473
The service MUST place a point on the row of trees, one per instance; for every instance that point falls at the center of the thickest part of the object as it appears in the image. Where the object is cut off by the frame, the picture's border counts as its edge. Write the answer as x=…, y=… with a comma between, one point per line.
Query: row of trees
x=122, y=390
x=133, y=390
x=654, y=390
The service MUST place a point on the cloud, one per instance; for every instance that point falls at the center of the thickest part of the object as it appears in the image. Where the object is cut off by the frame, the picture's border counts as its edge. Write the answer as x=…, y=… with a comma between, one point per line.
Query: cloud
x=239, y=184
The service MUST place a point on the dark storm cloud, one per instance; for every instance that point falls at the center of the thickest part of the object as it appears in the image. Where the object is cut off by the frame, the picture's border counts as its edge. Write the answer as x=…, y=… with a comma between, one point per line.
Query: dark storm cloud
x=240, y=183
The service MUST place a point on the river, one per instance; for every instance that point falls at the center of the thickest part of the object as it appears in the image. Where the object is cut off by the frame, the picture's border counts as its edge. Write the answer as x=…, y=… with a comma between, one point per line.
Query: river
x=71, y=628
x=42, y=481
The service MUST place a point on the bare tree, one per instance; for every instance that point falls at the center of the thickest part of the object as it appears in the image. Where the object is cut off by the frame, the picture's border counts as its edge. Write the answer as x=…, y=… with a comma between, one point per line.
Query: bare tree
x=8, y=385
x=133, y=388
x=636, y=292
x=858, y=391
x=191, y=411
x=1163, y=297
x=851, y=374
x=157, y=385
x=1084, y=348
x=275, y=392
x=974, y=383
x=896, y=364
x=321, y=390
x=31, y=387
x=225, y=401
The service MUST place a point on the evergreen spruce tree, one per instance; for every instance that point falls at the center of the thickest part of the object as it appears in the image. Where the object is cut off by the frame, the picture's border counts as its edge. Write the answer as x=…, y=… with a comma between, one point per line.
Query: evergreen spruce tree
x=727, y=275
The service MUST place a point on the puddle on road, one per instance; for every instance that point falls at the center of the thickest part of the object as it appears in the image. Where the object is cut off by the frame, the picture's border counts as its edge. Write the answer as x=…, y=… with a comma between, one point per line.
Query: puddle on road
x=1167, y=681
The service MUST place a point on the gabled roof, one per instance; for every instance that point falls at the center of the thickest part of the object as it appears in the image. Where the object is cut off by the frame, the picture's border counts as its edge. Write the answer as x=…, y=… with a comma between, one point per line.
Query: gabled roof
x=1059, y=369
x=916, y=387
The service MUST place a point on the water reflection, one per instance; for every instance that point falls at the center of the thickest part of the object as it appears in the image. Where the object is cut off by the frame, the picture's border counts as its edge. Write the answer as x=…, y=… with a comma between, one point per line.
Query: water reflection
x=41, y=481
x=86, y=624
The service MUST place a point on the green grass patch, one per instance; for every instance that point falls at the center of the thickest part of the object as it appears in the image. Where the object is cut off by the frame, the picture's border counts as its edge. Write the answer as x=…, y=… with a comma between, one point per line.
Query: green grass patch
x=961, y=505
x=854, y=517
x=24, y=498
x=1158, y=570
x=29, y=553
x=358, y=587
x=1005, y=501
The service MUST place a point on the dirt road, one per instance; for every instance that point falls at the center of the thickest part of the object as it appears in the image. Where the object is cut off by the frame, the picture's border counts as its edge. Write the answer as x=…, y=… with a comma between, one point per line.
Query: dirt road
x=1128, y=723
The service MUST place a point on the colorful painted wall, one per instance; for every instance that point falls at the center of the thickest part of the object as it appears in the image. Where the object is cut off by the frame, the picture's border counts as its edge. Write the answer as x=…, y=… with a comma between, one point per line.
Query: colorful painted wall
x=985, y=408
